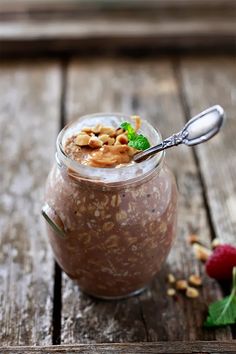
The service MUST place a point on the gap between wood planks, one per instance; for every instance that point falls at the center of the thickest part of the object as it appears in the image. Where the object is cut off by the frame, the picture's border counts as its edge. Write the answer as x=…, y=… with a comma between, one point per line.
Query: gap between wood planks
x=57, y=291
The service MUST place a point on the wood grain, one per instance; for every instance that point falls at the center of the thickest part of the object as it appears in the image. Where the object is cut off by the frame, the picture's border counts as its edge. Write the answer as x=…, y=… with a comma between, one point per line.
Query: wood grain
x=149, y=89
x=206, y=82
x=29, y=114
x=197, y=347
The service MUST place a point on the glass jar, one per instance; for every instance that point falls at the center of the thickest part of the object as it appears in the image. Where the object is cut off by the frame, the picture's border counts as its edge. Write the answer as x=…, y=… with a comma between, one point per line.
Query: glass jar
x=110, y=229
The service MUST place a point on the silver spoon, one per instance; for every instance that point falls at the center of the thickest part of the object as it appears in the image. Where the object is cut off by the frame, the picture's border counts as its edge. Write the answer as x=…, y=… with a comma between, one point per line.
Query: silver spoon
x=198, y=130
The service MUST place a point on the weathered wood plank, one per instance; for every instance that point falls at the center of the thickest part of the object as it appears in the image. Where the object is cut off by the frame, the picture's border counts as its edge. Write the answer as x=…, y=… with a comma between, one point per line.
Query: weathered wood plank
x=197, y=347
x=65, y=5
x=29, y=114
x=103, y=27
x=149, y=89
x=70, y=26
x=16, y=9
x=206, y=82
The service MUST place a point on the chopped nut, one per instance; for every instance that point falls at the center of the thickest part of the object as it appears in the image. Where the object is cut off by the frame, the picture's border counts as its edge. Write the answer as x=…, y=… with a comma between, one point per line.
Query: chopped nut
x=122, y=139
x=195, y=279
x=137, y=122
x=119, y=131
x=94, y=142
x=97, y=129
x=104, y=138
x=171, y=292
x=192, y=292
x=193, y=238
x=108, y=130
x=181, y=285
x=171, y=278
x=87, y=130
x=82, y=139
x=215, y=243
x=202, y=253
x=110, y=141
x=117, y=143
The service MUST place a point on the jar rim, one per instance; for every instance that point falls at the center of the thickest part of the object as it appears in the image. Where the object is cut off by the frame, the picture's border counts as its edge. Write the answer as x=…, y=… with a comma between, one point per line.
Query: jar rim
x=108, y=174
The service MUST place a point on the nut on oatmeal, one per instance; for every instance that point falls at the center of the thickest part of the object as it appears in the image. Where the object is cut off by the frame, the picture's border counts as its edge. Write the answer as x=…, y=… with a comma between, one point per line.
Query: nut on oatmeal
x=117, y=143
x=87, y=130
x=122, y=139
x=119, y=131
x=111, y=141
x=97, y=129
x=137, y=121
x=104, y=137
x=108, y=130
x=82, y=139
x=95, y=143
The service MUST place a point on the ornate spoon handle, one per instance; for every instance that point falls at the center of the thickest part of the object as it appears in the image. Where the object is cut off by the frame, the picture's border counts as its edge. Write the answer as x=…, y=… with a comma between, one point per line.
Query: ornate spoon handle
x=198, y=130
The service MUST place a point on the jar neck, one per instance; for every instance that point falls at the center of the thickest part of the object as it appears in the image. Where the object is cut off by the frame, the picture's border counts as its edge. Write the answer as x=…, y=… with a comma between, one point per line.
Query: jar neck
x=72, y=176
x=107, y=176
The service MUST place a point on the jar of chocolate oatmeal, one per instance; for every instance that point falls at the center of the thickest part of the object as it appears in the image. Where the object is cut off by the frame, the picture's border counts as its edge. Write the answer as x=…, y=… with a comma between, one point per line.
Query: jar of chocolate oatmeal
x=110, y=228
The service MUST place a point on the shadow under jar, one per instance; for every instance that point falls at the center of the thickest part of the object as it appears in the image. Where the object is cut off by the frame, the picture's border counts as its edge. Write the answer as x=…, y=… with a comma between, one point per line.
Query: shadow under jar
x=110, y=229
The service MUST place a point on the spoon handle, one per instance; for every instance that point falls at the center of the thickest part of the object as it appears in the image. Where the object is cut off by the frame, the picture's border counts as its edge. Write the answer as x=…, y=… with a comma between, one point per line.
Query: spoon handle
x=173, y=140
x=197, y=130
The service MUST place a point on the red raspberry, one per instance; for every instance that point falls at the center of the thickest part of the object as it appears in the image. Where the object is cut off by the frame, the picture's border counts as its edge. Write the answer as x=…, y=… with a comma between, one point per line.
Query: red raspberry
x=220, y=264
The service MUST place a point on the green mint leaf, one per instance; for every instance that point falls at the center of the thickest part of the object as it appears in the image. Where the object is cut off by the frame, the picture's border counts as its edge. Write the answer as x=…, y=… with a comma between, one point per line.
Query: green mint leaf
x=223, y=312
x=128, y=127
x=137, y=141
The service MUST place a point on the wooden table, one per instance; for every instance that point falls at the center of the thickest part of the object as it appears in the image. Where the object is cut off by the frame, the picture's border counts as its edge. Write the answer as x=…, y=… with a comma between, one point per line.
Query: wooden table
x=41, y=310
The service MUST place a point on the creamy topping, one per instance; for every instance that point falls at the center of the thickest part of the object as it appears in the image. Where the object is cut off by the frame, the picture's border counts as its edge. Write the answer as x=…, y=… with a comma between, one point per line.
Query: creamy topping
x=109, y=156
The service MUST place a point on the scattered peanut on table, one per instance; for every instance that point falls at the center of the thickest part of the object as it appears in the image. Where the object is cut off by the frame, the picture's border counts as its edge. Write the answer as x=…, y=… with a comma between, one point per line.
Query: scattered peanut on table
x=201, y=253
x=195, y=280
